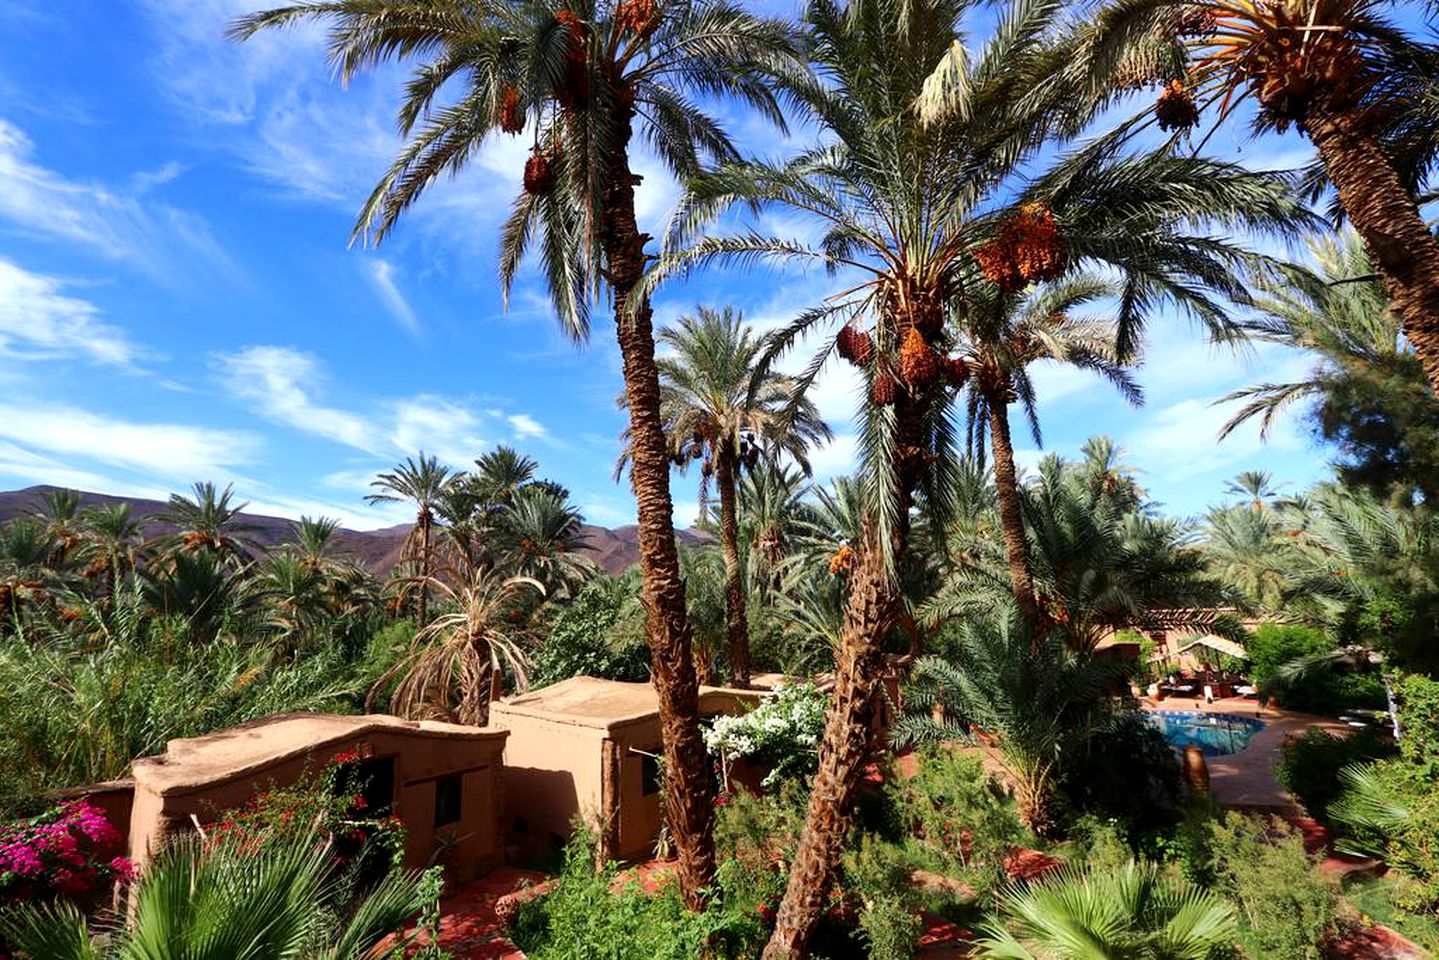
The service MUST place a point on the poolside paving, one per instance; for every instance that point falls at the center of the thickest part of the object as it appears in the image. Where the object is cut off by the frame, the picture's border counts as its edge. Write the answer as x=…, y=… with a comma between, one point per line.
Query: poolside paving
x=1246, y=780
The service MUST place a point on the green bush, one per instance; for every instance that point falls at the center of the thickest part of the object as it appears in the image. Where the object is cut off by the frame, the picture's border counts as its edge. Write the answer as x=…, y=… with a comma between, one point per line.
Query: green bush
x=1310, y=765
x=888, y=922
x=1128, y=773
x=1390, y=809
x=1322, y=691
x=589, y=915
x=955, y=818
x=1286, y=906
x=599, y=634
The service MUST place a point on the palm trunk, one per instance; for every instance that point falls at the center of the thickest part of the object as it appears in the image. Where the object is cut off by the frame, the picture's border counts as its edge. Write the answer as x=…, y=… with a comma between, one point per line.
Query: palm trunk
x=736, y=624
x=1399, y=242
x=422, y=605
x=1011, y=514
x=689, y=808
x=869, y=614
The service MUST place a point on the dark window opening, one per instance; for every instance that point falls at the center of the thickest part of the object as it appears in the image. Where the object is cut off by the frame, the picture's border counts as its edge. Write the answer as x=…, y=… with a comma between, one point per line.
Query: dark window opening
x=374, y=779
x=650, y=780
x=449, y=792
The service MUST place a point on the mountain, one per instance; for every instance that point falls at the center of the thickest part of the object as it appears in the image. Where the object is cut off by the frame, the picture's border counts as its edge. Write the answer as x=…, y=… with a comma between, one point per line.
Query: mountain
x=379, y=550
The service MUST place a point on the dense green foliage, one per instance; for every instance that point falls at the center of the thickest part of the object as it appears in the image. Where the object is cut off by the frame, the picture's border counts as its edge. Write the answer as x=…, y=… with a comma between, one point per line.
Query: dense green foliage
x=1272, y=646
x=1310, y=765
x=1286, y=907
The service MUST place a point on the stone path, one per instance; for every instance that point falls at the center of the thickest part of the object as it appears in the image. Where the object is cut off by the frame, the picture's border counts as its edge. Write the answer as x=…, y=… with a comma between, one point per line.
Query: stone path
x=469, y=929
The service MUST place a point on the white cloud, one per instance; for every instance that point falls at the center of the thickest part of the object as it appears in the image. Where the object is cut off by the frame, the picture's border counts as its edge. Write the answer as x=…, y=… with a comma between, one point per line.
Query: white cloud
x=153, y=236
x=526, y=426
x=382, y=275
x=438, y=426
x=37, y=321
x=1181, y=441
x=161, y=449
x=277, y=381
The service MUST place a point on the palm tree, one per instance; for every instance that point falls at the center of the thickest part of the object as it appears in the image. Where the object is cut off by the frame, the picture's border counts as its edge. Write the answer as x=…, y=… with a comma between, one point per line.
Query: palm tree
x=1036, y=700
x=209, y=521
x=455, y=665
x=111, y=542
x=61, y=514
x=284, y=901
x=1256, y=485
x=719, y=405
x=581, y=79
x=1248, y=551
x=540, y=536
x=202, y=588
x=25, y=551
x=1006, y=333
x=423, y=483
x=1348, y=76
x=1367, y=392
x=773, y=512
x=920, y=217
x=1084, y=915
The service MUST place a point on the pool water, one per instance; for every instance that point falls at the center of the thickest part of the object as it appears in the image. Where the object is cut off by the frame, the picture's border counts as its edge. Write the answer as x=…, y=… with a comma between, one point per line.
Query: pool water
x=1214, y=733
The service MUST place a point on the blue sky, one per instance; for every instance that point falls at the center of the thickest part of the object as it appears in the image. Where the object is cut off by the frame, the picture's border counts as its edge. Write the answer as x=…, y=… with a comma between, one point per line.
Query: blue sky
x=178, y=300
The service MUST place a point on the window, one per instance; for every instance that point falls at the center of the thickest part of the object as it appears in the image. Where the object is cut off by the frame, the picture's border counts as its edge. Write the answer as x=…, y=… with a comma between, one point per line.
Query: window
x=449, y=792
x=649, y=775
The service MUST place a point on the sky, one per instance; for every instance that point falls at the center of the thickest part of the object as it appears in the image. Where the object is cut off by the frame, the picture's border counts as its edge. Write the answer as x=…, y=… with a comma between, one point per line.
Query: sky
x=179, y=300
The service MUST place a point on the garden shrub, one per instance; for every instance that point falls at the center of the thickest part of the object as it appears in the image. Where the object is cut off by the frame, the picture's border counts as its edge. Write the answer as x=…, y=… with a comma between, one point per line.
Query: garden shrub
x=889, y=925
x=782, y=732
x=1127, y=773
x=1310, y=765
x=1390, y=808
x=1286, y=906
x=64, y=852
x=1321, y=691
x=598, y=634
x=589, y=915
x=955, y=817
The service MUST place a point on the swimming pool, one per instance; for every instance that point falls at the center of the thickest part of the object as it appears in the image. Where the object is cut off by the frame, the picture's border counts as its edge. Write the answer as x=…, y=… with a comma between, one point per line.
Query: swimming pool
x=1214, y=733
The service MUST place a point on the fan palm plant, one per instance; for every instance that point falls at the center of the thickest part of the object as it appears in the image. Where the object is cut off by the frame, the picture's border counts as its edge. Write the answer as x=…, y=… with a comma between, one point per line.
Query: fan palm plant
x=284, y=901
x=1088, y=915
x=1348, y=75
x=423, y=483
x=720, y=406
x=926, y=191
x=583, y=80
x=456, y=663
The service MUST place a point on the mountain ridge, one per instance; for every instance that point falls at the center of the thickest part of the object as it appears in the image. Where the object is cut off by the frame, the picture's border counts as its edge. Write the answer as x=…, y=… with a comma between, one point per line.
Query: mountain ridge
x=613, y=550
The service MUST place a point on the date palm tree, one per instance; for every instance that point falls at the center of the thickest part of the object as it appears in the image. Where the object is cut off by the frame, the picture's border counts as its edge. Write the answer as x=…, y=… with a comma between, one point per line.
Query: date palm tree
x=540, y=535
x=209, y=521
x=60, y=512
x=455, y=664
x=1347, y=75
x=721, y=407
x=423, y=483
x=110, y=544
x=1007, y=333
x=583, y=81
x=920, y=209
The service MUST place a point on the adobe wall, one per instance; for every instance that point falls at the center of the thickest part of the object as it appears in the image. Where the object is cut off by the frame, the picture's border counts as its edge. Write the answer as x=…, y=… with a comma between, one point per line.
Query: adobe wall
x=199, y=778
x=553, y=772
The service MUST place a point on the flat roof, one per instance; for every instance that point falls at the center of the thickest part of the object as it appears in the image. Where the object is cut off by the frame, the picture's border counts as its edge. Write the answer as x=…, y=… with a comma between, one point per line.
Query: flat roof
x=600, y=704
x=236, y=751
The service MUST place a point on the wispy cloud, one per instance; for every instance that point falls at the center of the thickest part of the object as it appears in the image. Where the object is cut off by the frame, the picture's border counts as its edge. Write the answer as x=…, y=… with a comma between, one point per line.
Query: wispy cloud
x=38, y=322
x=526, y=426
x=382, y=275
x=277, y=382
x=167, y=450
x=116, y=224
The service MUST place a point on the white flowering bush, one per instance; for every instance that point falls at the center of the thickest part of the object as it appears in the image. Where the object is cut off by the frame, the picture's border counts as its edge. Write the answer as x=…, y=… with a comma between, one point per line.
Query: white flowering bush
x=783, y=731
